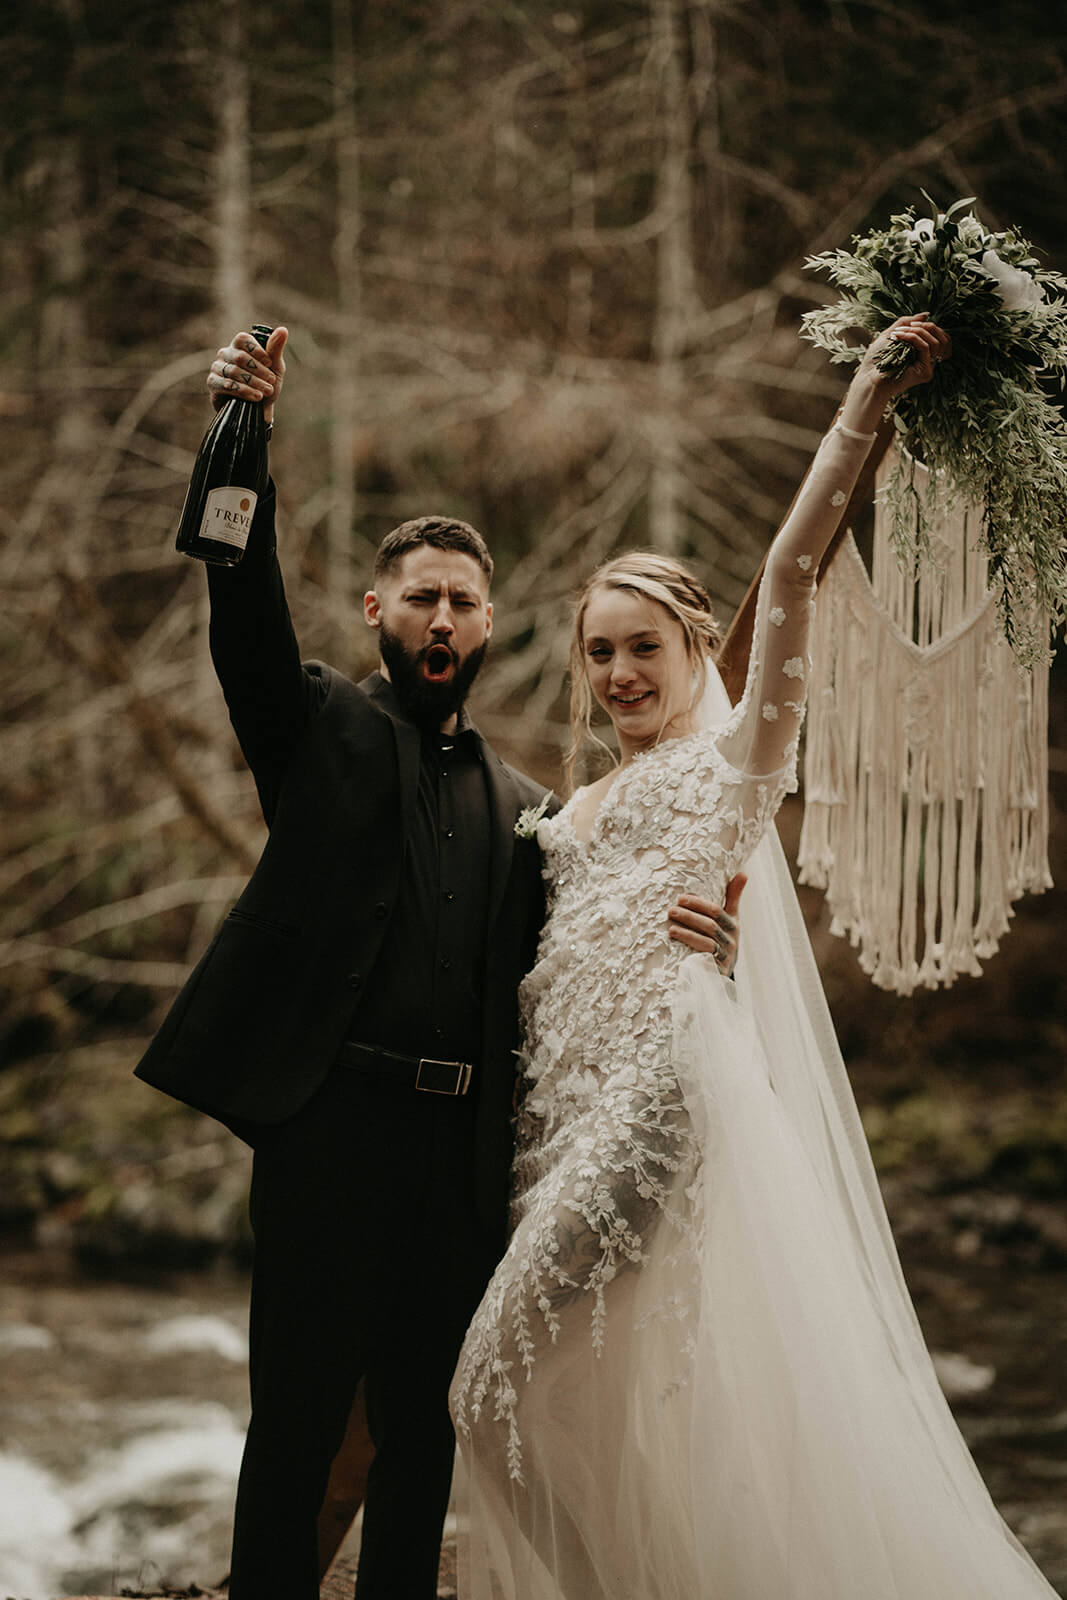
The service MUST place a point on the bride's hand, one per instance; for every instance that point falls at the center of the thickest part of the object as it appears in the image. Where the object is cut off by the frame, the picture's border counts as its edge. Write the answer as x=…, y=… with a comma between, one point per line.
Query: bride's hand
x=931, y=344
x=872, y=390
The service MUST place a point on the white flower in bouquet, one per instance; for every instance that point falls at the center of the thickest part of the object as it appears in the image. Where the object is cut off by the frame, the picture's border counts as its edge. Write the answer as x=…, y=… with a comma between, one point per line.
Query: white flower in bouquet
x=1018, y=290
x=988, y=424
x=922, y=234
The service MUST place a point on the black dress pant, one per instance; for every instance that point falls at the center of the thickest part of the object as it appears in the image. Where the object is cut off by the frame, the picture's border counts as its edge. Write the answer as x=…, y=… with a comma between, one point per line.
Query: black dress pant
x=369, y=1262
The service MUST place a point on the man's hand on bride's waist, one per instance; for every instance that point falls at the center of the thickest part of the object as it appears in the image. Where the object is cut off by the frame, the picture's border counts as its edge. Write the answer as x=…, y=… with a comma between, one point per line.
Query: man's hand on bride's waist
x=707, y=927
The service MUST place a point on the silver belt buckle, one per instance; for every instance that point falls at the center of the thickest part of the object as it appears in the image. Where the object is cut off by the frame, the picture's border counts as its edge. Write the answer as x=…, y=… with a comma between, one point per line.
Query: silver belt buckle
x=462, y=1070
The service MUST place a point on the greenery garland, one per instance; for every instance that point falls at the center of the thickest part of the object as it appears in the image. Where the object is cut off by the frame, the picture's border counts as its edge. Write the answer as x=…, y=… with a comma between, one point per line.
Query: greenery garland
x=990, y=421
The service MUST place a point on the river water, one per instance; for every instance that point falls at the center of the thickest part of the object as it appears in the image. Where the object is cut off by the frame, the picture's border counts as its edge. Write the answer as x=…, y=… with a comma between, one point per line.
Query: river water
x=122, y=1416
x=123, y=1407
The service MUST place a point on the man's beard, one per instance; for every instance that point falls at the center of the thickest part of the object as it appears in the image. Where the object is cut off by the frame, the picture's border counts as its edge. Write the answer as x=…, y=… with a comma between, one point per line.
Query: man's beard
x=429, y=704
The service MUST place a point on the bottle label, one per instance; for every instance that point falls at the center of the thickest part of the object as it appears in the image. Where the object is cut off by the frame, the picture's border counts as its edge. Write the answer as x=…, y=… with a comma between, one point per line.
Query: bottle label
x=228, y=516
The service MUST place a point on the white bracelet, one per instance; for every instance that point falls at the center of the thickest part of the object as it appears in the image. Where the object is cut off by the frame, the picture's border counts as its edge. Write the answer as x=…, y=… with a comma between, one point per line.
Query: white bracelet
x=853, y=433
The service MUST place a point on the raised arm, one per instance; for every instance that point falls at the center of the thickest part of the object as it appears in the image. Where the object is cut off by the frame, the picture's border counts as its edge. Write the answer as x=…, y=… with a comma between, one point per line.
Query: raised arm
x=253, y=646
x=761, y=738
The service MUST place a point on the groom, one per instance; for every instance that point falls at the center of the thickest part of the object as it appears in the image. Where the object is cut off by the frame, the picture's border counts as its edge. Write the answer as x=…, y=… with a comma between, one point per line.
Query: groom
x=354, y=1018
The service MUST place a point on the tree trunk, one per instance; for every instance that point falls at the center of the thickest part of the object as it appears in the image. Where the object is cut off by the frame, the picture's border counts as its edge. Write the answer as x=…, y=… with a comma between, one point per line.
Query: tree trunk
x=64, y=346
x=342, y=512
x=233, y=202
x=232, y=291
x=583, y=207
x=674, y=276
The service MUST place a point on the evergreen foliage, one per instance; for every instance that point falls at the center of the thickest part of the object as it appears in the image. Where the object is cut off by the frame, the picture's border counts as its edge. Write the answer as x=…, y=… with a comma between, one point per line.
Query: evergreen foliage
x=989, y=424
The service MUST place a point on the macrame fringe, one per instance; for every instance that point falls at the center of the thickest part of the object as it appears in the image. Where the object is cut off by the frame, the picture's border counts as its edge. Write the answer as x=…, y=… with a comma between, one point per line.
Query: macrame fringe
x=926, y=768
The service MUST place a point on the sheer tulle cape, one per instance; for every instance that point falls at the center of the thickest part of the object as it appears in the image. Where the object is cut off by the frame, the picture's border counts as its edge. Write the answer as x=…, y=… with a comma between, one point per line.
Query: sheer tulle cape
x=822, y=1451
x=761, y=1418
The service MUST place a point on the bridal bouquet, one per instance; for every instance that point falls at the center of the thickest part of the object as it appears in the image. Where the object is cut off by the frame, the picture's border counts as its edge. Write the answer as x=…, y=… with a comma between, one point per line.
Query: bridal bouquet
x=989, y=425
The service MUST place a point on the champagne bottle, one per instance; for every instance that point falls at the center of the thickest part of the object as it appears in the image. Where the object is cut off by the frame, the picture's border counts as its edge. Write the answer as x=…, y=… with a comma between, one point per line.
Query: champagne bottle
x=229, y=475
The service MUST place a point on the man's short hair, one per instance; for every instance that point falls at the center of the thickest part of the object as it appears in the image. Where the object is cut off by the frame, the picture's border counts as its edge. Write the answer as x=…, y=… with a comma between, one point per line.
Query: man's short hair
x=442, y=533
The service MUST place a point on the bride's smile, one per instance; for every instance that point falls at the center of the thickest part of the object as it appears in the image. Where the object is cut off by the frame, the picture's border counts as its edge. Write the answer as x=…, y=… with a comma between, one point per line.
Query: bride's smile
x=638, y=668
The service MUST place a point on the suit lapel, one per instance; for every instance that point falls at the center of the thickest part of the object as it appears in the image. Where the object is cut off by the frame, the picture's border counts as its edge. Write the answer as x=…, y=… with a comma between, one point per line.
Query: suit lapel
x=408, y=749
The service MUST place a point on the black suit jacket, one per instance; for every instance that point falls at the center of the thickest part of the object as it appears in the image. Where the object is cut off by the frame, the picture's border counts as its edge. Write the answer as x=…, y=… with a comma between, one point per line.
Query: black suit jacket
x=261, y=1018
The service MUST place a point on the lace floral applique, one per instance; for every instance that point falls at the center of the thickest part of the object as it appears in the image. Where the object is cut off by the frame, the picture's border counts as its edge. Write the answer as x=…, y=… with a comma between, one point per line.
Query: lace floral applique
x=794, y=667
x=606, y=1167
x=606, y=1156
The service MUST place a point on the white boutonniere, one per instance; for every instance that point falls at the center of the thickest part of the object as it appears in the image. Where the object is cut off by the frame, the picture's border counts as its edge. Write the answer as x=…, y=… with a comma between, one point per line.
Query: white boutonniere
x=529, y=817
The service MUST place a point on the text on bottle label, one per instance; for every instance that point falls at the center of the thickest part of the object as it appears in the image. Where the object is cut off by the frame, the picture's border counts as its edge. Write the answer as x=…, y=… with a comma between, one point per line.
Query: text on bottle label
x=228, y=516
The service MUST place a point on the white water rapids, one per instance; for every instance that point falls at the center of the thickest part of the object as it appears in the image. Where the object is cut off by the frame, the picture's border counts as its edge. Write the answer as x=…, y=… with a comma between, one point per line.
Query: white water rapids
x=121, y=1430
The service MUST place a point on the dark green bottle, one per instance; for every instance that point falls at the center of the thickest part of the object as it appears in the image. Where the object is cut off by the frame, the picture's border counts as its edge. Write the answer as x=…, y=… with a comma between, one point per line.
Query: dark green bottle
x=229, y=475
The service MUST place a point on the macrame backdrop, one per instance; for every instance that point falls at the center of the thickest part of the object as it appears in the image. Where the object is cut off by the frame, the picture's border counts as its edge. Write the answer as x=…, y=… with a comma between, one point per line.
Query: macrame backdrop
x=926, y=768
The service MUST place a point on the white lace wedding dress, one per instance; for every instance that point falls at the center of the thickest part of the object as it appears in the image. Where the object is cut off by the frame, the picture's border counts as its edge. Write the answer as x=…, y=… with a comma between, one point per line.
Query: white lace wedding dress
x=696, y=1374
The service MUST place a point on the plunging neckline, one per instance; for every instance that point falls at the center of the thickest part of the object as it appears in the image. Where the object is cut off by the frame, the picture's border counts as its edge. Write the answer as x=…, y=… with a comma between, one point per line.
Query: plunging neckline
x=570, y=808
x=621, y=775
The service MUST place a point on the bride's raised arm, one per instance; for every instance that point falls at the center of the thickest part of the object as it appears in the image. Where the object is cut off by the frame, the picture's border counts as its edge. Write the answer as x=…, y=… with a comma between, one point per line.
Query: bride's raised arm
x=761, y=738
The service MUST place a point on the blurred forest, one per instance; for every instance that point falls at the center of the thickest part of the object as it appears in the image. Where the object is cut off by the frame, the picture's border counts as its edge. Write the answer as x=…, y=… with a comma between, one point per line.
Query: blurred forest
x=543, y=268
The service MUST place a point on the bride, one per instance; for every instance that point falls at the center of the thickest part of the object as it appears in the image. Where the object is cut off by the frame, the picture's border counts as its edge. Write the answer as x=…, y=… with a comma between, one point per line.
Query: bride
x=696, y=1374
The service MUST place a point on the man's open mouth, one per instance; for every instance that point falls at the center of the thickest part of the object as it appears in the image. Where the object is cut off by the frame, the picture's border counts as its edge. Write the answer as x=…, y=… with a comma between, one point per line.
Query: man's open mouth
x=438, y=662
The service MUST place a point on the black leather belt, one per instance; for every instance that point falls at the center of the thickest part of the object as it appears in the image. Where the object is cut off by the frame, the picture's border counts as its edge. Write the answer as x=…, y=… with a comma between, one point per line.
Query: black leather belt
x=413, y=1072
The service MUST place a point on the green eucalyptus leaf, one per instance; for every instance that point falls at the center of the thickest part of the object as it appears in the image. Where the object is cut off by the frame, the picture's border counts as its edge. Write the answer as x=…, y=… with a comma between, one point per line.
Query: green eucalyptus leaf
x=988, y=425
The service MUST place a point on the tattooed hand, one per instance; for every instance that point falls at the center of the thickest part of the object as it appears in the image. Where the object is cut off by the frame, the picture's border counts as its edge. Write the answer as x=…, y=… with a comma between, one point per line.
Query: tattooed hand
x=711, y=929
x=243, y=368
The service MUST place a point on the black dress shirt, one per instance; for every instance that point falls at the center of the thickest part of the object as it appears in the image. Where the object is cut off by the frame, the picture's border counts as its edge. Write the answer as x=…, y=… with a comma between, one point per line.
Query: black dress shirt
x=424, y=995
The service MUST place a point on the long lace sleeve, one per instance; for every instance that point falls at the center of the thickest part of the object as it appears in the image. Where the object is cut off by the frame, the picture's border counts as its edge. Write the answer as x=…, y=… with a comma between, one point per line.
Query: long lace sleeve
x=760, y=739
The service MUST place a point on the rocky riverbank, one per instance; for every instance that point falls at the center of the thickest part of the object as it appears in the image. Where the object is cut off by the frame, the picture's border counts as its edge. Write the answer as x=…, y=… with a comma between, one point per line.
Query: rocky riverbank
x=122, y=1409
x=101, y=1168
x=123, y=1393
